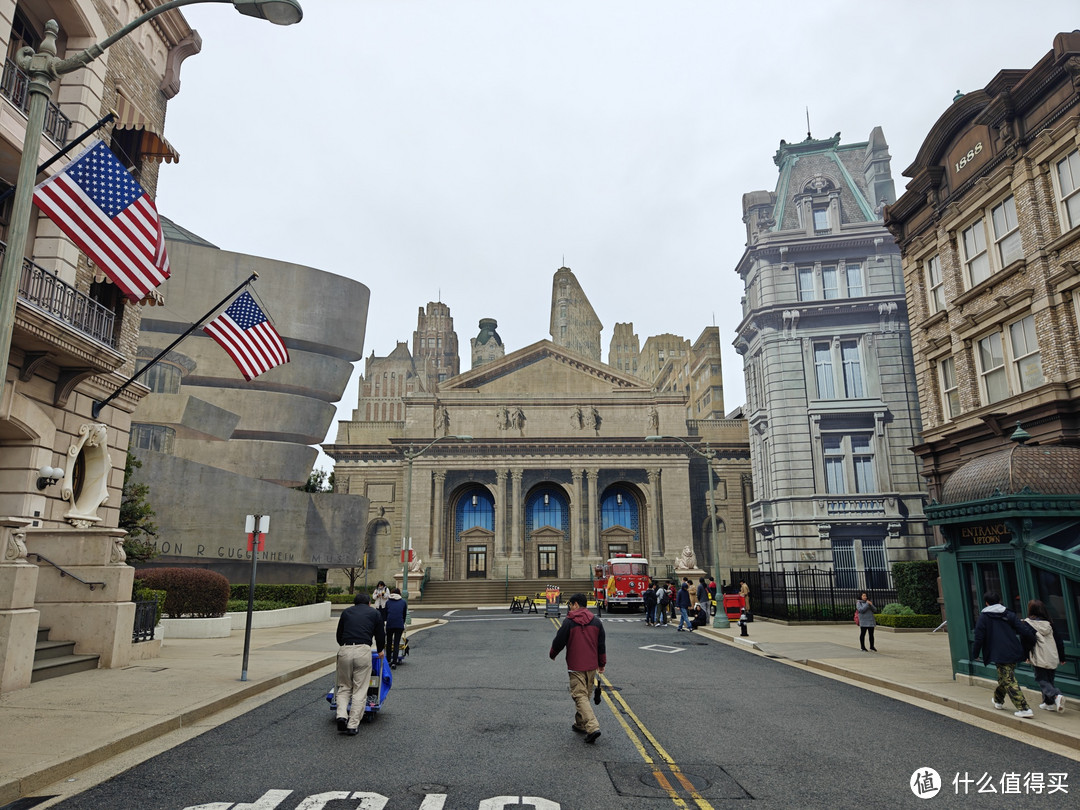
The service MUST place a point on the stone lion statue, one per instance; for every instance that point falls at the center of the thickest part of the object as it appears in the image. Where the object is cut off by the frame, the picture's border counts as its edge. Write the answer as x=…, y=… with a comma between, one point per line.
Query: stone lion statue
x=686, y=560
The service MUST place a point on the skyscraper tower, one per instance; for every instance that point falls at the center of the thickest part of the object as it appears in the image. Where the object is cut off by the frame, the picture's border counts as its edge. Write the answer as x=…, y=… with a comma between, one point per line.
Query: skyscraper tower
x=574, y=324
x=435, y=344
x=487, y=345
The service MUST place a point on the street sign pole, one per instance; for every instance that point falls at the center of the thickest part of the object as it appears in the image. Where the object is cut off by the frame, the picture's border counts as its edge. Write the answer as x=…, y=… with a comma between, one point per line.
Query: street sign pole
x=256, y=526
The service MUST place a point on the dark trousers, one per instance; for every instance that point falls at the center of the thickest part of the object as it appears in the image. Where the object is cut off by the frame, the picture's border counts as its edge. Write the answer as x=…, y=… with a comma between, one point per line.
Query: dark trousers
x=393, y=640
x=1045, y=679
x=862, y=637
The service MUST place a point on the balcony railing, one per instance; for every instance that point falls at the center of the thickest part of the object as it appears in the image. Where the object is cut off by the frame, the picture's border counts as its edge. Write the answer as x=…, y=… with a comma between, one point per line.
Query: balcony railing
x=45, y=291
x=14, y=86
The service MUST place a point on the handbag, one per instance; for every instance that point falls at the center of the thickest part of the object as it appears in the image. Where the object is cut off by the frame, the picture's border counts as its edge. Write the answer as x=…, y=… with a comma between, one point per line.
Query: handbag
x=856, y=617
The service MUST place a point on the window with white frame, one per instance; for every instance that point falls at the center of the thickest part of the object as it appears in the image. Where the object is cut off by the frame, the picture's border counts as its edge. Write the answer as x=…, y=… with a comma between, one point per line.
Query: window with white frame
x=1068, y=182
x=849, y=462
x=821, y=219
x=935, y=284
x=998, y=228
x=806, y=283
x=993, y=377
x=830, y=286
x=843, y=356
x=1026, y=357
x=1006, y=231
x=854, y=280
x=950, y=392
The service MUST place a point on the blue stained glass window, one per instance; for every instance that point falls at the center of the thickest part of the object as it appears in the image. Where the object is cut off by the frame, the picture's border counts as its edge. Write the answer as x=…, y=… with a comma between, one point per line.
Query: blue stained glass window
x=554, y=513
x=618, y=508
x=470, y=514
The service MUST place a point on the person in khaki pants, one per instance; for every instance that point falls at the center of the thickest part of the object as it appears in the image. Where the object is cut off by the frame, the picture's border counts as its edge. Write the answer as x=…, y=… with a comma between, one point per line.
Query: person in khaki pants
x=582, y=635
x=357, y=627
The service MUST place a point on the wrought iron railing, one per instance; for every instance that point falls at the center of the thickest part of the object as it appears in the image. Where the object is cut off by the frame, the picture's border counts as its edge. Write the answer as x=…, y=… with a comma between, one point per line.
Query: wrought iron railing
x=44, y=290
x=145, y=620
x=14, y=86
x=64, y=572
x=814, y=594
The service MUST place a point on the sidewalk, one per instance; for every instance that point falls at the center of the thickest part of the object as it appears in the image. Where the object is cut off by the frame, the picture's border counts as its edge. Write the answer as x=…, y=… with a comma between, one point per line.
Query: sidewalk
x=64, y=725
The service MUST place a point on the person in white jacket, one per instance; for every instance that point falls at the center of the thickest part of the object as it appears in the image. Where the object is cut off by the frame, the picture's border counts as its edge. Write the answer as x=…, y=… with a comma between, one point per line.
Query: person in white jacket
x=1046, y=656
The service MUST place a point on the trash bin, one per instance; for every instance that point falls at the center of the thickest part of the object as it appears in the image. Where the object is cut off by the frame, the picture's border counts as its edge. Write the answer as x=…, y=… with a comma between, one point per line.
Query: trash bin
x=733, y=605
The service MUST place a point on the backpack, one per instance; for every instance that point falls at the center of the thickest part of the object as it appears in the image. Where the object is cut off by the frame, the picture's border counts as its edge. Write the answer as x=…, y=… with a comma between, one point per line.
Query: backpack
x=665, y=600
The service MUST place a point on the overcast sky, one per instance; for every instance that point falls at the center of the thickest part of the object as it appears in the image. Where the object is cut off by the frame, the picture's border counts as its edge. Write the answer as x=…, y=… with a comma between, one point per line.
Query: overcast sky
x=463, y=150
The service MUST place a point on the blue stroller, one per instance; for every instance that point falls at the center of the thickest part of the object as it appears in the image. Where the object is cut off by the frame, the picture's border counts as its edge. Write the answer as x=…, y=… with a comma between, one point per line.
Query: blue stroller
x=378, y=686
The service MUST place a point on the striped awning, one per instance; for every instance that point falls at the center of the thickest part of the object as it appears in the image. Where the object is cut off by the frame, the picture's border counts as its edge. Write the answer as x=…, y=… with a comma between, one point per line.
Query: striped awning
x=152, y=298
x=152, y=143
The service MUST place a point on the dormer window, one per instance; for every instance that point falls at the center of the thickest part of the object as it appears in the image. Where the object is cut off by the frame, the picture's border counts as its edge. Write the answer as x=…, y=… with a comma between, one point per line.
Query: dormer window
x=821, y=218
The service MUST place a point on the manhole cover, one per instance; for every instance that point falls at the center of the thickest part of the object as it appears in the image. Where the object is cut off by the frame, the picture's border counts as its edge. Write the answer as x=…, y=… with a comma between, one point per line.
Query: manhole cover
x=653, y=780
x=643, y=781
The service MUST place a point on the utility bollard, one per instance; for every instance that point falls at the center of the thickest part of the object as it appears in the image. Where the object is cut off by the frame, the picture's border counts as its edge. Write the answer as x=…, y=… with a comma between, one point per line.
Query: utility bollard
x=742, y=623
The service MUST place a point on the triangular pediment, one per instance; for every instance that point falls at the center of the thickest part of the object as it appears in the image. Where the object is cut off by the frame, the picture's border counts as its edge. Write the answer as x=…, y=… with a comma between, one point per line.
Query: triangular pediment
x=476, y=533
x=543, y=367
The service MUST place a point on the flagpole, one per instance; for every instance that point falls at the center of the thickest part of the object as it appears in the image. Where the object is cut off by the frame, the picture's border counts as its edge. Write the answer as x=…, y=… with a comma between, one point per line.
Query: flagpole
x=97, y=406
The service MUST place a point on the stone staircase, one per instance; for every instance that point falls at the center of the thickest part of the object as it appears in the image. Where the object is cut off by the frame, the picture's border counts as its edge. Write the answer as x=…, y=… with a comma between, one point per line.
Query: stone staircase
x=494, y=592
x=55, y=658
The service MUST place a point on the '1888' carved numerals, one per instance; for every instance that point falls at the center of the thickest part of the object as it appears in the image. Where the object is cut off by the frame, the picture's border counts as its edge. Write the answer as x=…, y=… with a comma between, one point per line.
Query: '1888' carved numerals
x=970, y=156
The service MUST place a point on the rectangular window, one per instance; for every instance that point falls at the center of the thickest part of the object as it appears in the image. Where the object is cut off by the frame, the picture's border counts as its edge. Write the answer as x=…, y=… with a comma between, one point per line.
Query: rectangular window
x=835, y=481
x=806, y=283
x=853, y=380
x=950, y=393
x=992, y=374
x=862, y=458
x=976, y=260
x=829, y=285
x=1026, y=357
x=854, y=280
x=821, y=219
x=849, y=462
x=823, y=369
x=843, y=552
x=1068, y=175
x=875, y=563
x=1007, y=232
x=935, y=286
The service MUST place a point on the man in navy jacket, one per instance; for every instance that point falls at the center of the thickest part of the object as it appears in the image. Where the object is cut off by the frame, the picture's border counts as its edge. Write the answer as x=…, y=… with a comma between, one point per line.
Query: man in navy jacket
x=582, y=634
x=997, y=635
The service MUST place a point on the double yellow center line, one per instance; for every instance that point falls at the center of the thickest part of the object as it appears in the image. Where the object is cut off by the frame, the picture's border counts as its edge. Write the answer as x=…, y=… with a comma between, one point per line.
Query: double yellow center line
x=667, y=773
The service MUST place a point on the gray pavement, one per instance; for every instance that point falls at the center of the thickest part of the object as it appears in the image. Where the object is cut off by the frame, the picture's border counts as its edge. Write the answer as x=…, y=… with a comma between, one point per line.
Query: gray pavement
x=58, y=727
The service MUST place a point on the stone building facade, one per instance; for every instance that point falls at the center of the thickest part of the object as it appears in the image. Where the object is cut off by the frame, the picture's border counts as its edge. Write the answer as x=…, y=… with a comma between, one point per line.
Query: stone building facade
x=555, y=475
x=435, y=347
x=989, y=230
x=74, y=339
x=487, y=345
x=624, y=349
x=831, y=401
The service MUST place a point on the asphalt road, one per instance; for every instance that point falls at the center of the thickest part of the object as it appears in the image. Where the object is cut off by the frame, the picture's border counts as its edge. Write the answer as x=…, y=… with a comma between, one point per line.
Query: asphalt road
x=479, y=718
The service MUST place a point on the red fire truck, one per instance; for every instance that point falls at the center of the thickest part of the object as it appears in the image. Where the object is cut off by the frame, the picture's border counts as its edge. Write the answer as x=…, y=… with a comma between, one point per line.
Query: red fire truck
x=621, y=581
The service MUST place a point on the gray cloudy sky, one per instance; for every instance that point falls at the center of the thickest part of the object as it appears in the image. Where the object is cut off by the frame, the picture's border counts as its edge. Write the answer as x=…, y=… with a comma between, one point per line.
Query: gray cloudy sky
x=463, y=148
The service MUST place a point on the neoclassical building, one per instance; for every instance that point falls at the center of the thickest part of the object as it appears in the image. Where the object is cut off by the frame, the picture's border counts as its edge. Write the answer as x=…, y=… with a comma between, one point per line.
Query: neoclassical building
x=555, y=471
x=831, y=398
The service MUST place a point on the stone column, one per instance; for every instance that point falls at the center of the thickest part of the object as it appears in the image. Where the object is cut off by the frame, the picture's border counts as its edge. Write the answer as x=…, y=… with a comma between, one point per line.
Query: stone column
x=500, y=513
x=577, y=542
x=656, y=547
x=18, y=617
x=593, y=513
x=515, y=512
x=437, y=517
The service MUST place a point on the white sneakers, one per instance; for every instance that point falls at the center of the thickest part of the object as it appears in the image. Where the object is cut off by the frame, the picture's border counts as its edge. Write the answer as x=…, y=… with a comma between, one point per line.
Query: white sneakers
x=1025, y=713
x=1048, y=708
x=996, y=704
x=1059, y=703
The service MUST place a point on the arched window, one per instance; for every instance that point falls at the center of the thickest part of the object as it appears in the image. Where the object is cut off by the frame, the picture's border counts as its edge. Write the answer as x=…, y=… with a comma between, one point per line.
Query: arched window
x=475, y=508
x=547, y=507
x=618, y=508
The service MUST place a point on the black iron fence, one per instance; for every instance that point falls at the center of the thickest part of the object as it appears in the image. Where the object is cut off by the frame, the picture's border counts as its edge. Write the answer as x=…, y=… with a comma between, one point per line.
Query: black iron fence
x=814, y=594
x=145, y=619
x=14, y=85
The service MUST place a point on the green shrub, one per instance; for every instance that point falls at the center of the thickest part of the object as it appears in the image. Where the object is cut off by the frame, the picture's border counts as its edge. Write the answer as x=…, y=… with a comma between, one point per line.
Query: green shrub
x=335, y=589
x=290, y=595
x=896, y=609
x=341, y=598
x=190, y=592
x=141, y=594
x=916, y=585
x=912, y=620
x=241, y=605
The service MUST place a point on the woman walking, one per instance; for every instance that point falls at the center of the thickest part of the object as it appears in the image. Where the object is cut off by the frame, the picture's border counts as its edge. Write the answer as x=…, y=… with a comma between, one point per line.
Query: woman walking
x=865, y=609
x=1046, y=655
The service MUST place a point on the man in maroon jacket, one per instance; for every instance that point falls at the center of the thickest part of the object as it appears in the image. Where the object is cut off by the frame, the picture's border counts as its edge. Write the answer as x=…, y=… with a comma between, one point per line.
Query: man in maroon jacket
x=582, y=635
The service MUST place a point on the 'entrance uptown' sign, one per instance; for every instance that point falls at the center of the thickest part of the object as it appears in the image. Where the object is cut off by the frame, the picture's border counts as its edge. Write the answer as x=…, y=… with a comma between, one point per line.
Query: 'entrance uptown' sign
x=988, y=535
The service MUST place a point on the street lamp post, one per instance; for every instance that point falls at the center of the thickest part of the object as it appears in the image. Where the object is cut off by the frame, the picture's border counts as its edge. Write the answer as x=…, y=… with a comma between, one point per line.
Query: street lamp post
x=406, y=533
x=720, y=620
x=43, y=68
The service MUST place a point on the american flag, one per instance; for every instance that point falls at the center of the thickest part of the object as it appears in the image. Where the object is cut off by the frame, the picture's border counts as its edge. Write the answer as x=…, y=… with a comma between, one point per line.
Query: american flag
x=103, y=210
x=250, y=340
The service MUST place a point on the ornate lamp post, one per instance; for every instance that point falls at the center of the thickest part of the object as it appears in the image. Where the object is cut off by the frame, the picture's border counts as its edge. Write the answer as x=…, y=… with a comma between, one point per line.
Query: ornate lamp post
x=43, y=68
x=406, y=534
x=720, y=620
